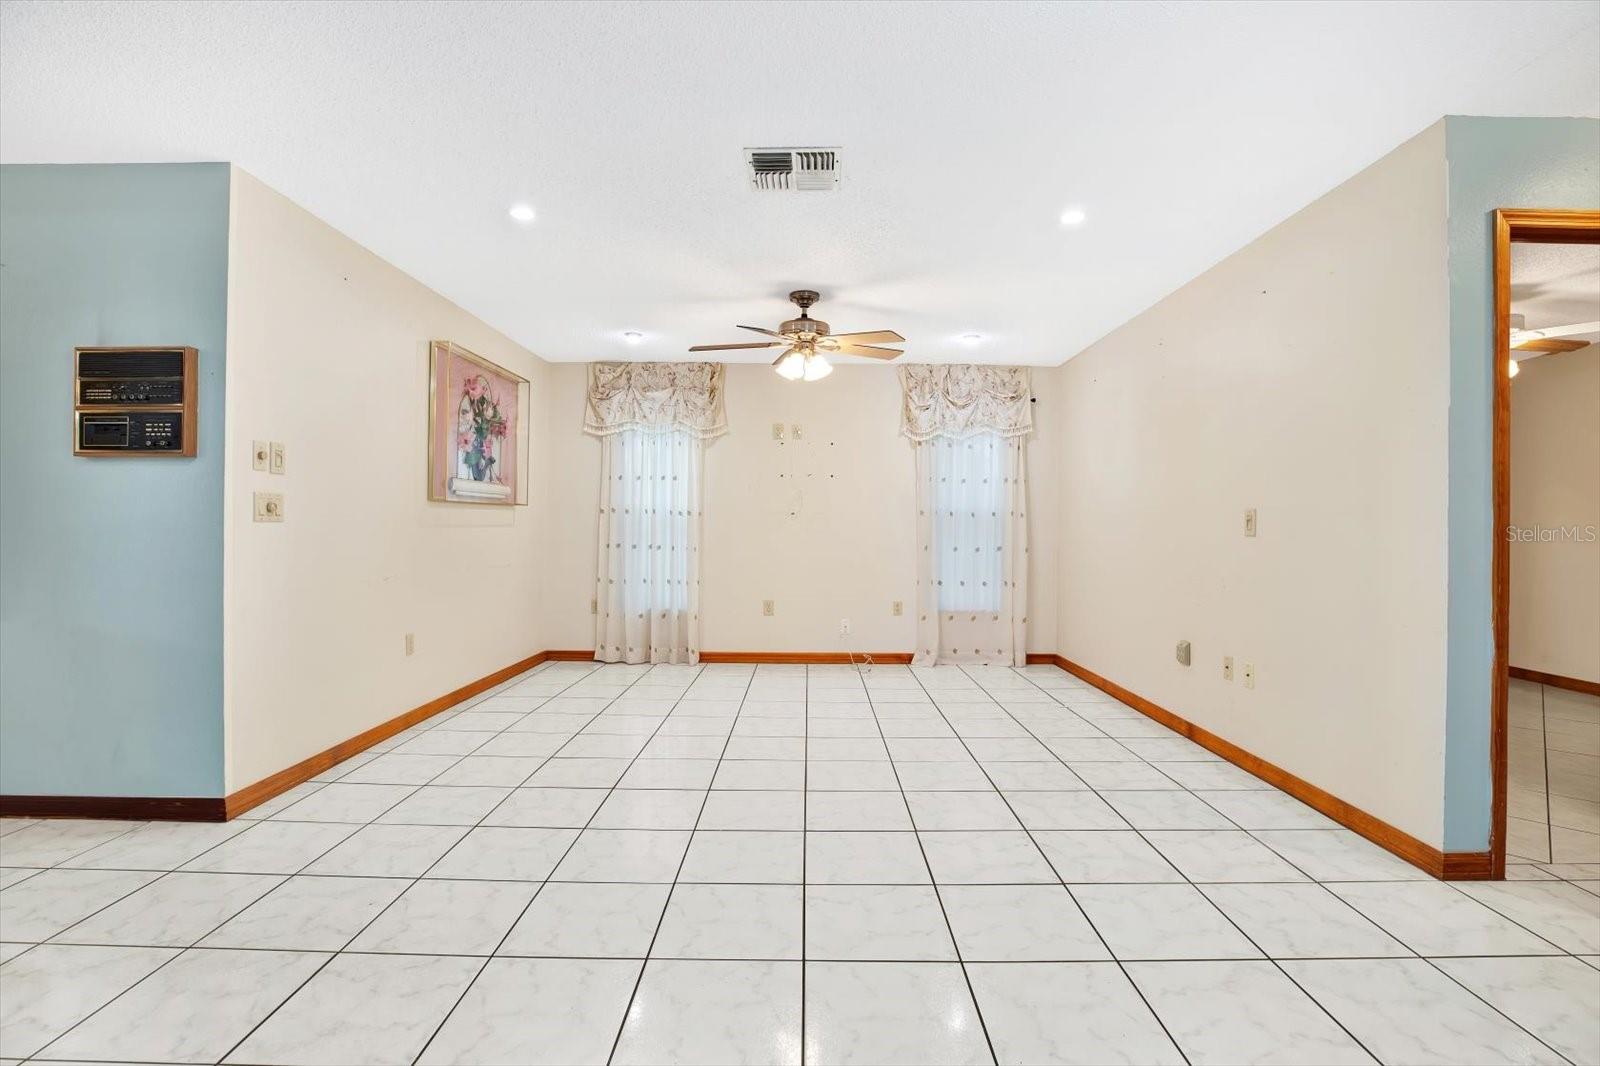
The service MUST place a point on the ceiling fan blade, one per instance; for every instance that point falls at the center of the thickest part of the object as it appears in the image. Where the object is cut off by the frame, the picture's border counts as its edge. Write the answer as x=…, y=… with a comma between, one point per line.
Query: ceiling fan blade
x=876, y=336
x=1570, y=330
x=1549, y=344
x=731, y=347
x=768, y=332
x=869, y=351
x=782, y=356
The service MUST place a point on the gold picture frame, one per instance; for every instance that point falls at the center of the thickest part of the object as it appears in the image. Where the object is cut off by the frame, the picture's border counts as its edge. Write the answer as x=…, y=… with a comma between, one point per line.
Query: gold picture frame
x=478, y=414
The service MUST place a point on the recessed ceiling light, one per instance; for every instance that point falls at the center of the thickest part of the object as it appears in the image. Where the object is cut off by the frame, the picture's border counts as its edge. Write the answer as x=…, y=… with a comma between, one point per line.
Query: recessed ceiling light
x=632, y=336
x=972, y=338
x=521, y=213
x=1073, y=216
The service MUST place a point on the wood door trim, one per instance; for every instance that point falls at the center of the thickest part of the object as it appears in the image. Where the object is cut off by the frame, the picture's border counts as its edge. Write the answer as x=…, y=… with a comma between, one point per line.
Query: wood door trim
x=1511, y=226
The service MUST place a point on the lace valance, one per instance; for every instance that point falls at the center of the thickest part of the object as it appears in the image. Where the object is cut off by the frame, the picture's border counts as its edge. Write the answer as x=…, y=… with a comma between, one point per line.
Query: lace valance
x=656, y=396
x=960, y=399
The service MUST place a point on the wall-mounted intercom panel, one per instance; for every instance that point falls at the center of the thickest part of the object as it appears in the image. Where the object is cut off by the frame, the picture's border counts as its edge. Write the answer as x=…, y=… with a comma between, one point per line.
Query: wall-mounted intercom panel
x=135, y=401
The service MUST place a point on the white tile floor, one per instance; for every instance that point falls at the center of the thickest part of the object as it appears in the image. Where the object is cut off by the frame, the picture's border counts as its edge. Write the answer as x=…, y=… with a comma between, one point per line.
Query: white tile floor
x=1553, y=809
x=775, y=865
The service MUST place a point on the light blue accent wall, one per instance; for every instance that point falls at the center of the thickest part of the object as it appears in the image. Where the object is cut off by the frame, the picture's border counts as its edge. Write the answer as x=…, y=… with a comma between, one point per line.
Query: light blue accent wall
x=1493, y=163
x=110, y=569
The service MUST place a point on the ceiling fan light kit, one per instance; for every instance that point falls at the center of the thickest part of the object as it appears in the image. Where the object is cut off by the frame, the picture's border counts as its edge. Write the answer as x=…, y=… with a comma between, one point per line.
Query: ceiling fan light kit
x=807, y=342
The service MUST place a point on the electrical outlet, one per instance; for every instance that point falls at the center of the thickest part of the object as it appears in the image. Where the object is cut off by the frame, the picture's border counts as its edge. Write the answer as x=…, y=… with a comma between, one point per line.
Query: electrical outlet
x=1249, y=672
x=1227, y=668
x=594, y=606
x=777, y=431
x=258, y=454
x=844, y=627
x=411, y=643
x=769, y=608
x=268, y=506
x=276, y=464
x=1250, y=522
x=898, y=609
x=1183, y=653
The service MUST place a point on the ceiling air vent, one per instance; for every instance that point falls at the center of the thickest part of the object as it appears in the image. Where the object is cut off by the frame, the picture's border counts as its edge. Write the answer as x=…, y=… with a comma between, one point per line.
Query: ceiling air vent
x=793, y=169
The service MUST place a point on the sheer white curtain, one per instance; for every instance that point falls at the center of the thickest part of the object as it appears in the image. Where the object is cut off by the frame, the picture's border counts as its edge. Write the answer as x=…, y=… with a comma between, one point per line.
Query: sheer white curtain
x=647, y=595
x=968, y=427
x=653, y=420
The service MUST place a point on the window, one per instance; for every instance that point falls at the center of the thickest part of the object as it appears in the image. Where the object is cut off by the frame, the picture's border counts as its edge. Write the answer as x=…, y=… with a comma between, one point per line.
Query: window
x=969, y=521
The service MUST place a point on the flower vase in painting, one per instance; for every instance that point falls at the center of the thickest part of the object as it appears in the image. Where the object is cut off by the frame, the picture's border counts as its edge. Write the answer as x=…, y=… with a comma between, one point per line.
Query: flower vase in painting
x=473, y=428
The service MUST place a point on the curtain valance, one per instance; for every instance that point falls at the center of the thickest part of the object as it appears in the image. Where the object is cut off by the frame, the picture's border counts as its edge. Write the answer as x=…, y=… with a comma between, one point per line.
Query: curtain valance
x=656, y=396
x=960, y=399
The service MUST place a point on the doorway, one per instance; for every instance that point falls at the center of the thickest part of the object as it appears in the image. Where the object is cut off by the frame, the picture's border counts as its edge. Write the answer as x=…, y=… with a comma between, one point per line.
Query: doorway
x=1545, y=715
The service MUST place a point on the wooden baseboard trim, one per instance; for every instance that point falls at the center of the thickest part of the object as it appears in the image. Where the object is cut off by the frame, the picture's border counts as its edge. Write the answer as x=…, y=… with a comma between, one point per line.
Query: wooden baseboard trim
x=1572, y=684
x=136, y=808
x=1449, y=866
x=236, y=803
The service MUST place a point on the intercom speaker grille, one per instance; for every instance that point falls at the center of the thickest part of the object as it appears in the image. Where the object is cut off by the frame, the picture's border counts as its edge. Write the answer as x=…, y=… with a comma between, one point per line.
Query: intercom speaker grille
x=793, y=169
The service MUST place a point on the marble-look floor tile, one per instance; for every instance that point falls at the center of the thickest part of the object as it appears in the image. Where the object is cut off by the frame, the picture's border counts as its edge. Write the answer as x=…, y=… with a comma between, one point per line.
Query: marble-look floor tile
x=363, y=1010
x=657, y=808
x=734, y=856
x=1165, y=809
x=624, y=855
x=756, y=775
x=193, y=1009
x=547, y=808
x=776, y=811
x=503, y=854
x=578, y=773
x=157, y=846
x=388, y=851
x=55, y=840
x=1260, y=809
x=1085, y=1014
x=174, y=911
x=1338, y=855
x=1064, y=810
x=53, y=987
x=1434, y=919
x=1294, y=921
x=270, y=847
x=883, y=922
x=436, y=917
x=864, y=858
x=1242, y=1012
x=1017, y=923
x=541, y=1012
x=838, y=811
x=732, y=921
x=344, y=802
x=1405, y=1010
x=1563, y=914
x=1087, y=857
x=52, y=900
x=967, y=858
x=961, y=810
x=394, y=768
x=589, y=920
x=308, y=914
x=1555, y=999
x=891, y=1012
x=445, y=805
x=1222, y=855
x=1027, y=777
x=713, y=1013
x=505, y=771
x=1161, y=922
x=1220, y=776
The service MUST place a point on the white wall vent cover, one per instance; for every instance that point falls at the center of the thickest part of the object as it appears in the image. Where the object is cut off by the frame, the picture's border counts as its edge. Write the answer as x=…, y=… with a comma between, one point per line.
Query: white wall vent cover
x=793, y=169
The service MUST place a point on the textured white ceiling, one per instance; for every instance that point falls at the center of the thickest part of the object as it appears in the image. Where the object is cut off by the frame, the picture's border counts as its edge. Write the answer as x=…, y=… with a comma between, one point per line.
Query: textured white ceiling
x=1184, y=129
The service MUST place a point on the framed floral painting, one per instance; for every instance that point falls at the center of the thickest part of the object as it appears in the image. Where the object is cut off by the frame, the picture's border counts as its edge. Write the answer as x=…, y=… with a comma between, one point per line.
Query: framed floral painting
x=477, y=429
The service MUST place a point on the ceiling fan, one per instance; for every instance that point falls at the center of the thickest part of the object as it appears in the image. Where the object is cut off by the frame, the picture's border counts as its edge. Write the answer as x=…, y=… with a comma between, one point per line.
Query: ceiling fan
x=1536, y=342
x=806, y=342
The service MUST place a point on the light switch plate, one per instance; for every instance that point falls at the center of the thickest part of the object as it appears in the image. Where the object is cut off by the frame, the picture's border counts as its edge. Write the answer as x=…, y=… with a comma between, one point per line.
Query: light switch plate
x=258, y=454
x=777, y=431
x=899, y=608
x=268, y=506
x=794, y=431
x=1227, y=668
x=1250, y=522
x=769, y=608
x=1249, y=671
x=276, y=463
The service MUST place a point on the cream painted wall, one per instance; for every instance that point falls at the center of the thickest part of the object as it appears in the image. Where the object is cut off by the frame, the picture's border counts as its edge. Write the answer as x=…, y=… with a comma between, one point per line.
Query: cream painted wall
x=1307, y=376
x=823, y=525
x=328, y=353
x=1555, y=485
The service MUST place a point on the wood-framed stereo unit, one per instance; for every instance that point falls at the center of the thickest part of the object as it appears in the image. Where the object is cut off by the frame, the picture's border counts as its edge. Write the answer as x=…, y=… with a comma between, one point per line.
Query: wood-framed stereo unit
x=135, y=401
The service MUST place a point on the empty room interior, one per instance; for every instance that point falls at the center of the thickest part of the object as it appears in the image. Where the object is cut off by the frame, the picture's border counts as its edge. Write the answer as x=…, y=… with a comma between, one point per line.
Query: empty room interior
x=799, y=533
